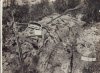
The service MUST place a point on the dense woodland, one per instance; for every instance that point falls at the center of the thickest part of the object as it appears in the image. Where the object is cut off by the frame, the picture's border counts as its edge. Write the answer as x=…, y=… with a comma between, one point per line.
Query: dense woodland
x=66, y=26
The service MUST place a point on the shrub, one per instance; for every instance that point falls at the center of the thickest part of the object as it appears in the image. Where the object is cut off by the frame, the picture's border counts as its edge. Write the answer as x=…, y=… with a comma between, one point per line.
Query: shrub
x=60, y=5
x=22, y=13
x=7, y=17
x=40, y=10
x=91, y=13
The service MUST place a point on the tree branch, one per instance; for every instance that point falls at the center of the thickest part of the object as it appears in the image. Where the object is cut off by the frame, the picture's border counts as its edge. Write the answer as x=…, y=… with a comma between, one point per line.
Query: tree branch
x=77, y=7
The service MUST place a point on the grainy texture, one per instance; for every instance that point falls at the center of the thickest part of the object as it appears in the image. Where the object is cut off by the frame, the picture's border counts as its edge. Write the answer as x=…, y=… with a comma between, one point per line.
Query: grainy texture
x=56, y=36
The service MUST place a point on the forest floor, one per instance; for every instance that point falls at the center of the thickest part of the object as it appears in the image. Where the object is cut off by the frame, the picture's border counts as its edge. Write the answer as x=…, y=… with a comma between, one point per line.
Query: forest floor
x=59, y=48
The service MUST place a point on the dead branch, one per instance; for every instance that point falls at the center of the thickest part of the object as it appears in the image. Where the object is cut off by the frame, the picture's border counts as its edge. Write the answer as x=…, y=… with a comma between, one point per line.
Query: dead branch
x=72, y=9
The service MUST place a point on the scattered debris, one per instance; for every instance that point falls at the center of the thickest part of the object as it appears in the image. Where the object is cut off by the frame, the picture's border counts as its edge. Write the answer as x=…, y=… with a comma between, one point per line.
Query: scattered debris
x=63, y=41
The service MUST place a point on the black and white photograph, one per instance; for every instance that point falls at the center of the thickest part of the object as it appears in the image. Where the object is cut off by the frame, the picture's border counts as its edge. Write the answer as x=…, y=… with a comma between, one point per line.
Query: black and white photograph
x=50, y=36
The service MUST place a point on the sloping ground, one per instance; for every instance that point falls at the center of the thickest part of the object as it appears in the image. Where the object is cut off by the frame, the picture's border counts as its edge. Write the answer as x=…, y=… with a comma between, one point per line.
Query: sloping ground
x=87, y=47
x=83, y=39
x=95, y=67
x=63, y=43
